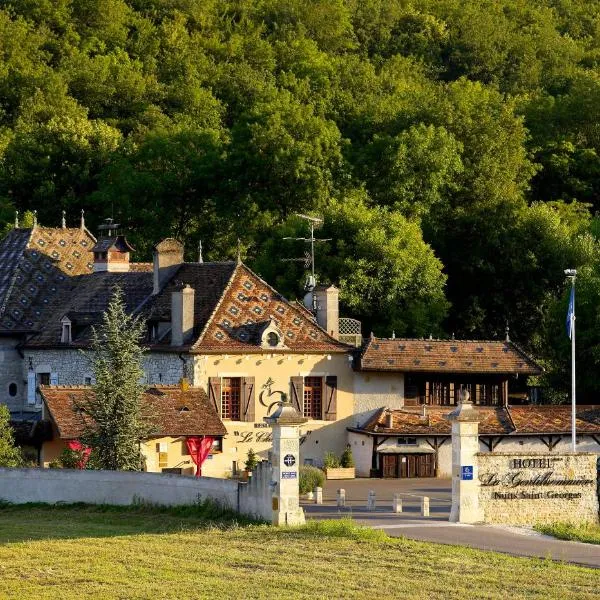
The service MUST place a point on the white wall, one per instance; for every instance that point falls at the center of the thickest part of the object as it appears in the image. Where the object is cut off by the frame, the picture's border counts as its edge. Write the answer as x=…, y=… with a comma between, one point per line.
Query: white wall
x=376, y=390
x=49, y=486
x=362, y=450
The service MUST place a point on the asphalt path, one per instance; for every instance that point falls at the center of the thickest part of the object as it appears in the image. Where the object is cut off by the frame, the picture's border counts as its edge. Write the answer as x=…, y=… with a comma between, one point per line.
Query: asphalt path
x=516, y=541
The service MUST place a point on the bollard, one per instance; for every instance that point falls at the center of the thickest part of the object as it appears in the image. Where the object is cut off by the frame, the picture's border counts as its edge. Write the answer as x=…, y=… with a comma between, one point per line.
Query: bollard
x=371, y=502
x=318, y=495
x=425, y=506
x=341, y=498
x=397, y=506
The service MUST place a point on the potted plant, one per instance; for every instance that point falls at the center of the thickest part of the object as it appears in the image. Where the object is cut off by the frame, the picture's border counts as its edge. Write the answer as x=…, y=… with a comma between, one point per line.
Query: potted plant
x=310, y=478
x=250, y=464
x=344, y=468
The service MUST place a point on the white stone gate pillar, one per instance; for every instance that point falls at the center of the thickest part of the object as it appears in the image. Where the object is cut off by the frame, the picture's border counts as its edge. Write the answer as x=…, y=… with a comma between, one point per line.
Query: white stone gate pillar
x=465, y=469
x=286, y=421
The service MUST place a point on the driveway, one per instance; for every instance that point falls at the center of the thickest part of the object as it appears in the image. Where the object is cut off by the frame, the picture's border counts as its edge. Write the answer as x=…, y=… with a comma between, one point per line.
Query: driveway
x=517, y=541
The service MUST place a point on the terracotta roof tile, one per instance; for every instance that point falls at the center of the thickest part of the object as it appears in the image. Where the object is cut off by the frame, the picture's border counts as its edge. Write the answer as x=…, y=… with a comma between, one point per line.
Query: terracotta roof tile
x=448, y=356
x=176, y=412
x=511, y=420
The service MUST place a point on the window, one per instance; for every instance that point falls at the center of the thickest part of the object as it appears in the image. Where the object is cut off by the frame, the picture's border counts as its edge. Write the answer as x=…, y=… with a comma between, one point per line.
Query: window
x=404, y=441
x=43, y=378
x=66, y=333
x=273, y=339
x=87, y=380
x=12, y=390
x=230, y=398
x=217, y=445
x=313, y=397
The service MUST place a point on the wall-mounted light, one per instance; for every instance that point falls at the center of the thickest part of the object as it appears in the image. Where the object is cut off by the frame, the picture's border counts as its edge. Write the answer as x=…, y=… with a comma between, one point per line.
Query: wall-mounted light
x=329, y=357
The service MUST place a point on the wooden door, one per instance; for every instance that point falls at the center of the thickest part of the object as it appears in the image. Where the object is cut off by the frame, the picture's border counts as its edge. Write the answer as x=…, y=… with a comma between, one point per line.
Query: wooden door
x=390, y=466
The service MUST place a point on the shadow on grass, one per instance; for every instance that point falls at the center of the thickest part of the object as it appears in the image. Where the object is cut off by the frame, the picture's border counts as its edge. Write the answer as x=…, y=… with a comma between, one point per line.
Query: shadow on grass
x=34, y=521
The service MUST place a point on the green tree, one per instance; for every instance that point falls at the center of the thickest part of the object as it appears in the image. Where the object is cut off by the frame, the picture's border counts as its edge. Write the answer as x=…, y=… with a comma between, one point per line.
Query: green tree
x=10, y=455
x=117, y=421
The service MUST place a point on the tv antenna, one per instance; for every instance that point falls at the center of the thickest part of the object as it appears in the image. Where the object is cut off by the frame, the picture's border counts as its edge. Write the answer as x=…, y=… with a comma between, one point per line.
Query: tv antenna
x=309, y=257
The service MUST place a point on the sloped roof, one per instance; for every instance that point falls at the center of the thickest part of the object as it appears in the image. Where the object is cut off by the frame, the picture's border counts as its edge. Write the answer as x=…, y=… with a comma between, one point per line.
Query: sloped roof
x=247, y=304
x=510, y=420
x=446, y=356
x=118, y=242
x=174, y=412
x=35, y=266
x=84, y=301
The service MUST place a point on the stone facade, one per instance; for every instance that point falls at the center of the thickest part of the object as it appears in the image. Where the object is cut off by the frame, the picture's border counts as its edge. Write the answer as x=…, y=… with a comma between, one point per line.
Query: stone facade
x=538, y=488
x=12, y=382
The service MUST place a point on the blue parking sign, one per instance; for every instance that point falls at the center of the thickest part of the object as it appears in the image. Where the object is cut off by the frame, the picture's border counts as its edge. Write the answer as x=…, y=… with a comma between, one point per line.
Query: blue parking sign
x=466, y=473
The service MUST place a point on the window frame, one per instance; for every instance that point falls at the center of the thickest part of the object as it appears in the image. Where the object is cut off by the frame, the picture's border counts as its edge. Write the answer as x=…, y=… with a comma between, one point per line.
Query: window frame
x=231, y=407
x=312, y=406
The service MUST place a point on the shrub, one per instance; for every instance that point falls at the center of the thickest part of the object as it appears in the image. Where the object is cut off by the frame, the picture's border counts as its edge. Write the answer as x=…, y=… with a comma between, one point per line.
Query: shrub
x=251, y=461
x=310, y=478
x=330, y=461
x=347, y=460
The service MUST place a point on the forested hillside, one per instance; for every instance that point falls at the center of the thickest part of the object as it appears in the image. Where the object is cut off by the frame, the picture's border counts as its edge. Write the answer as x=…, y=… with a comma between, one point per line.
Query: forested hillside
x=452, y=147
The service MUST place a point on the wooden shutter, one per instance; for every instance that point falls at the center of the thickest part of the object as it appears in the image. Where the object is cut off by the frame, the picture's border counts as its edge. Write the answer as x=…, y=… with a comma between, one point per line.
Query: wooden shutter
x=330, y=400
x=248, y=408
x=214, y=392
x=296, y=391
x=31, y=385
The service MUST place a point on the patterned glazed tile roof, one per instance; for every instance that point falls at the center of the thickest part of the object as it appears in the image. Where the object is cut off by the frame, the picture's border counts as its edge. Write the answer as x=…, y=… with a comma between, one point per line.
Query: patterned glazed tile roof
x=208, y=281
x=247, y=306
x=510, y=420
x=35, y=266
x=84, y=300
x=446, y=356
x=174, y=412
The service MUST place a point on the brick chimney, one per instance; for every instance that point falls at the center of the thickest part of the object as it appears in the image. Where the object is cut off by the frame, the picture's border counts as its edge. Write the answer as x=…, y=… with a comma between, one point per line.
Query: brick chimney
x=168, y=255
x=182, y=316
x=328, y=309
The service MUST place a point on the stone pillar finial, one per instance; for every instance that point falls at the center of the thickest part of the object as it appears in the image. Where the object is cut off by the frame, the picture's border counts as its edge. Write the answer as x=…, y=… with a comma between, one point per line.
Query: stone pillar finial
x=286, y=422
x=64, y=219
x=82, y=219
x=465, y=469
x=200, y=259
x=35, y=218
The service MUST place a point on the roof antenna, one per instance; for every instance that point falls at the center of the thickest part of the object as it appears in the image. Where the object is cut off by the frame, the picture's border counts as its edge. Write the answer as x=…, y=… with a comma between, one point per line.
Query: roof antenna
x=200, y=259
x=16, y=219
x=35, y=218
x=82, y=219
x=64, y=220
x=507, y=330
x=239, y=251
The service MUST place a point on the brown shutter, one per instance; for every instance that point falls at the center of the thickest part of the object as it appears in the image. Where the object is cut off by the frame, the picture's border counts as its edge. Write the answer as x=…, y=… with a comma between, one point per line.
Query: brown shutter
x=214, y=393
x=330, y=404
x=296, y=391
x=248, y=413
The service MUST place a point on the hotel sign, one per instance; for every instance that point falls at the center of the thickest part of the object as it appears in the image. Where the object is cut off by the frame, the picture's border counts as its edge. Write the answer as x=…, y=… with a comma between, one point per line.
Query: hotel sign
x=535, y=474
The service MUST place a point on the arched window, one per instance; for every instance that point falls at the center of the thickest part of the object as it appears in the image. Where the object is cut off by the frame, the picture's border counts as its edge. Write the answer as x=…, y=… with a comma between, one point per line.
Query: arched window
x=12, y=390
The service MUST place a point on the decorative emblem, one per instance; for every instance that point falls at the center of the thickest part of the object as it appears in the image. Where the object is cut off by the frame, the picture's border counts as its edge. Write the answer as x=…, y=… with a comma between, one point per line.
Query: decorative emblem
x=263, y=399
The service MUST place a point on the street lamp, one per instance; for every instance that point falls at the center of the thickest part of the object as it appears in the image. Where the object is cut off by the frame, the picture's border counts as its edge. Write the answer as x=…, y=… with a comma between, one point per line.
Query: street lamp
x=572, y=274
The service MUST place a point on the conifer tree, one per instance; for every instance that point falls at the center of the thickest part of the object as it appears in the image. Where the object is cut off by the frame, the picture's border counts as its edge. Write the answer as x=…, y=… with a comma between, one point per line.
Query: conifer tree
x=117, y=422
x=10, y=455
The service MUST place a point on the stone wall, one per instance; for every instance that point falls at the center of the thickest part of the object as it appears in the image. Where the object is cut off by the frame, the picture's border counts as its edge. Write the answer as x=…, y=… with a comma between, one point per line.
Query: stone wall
x=50, y=486
x=11, y=372
x=538, y=488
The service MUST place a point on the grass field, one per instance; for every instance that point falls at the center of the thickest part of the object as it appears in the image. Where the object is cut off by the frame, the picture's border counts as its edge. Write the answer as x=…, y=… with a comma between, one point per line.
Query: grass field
x=85, y=552
x=565, y=531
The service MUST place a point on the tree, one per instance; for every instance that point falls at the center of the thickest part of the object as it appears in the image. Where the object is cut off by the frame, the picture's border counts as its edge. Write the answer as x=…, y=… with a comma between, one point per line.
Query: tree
x=116, y=422
x=10, y=455
x=251, y=461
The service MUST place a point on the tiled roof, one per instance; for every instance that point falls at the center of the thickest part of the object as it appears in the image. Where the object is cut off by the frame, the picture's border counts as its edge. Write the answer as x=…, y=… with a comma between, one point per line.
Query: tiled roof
x=247, y=306
x=175, y=412
x=84, y=300
x=446, y=356
x=510, y=420
x=209, y=280
x=35, y=266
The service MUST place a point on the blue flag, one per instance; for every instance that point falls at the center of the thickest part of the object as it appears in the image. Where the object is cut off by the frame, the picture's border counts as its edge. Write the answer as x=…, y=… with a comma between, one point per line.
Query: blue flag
x=571, y=314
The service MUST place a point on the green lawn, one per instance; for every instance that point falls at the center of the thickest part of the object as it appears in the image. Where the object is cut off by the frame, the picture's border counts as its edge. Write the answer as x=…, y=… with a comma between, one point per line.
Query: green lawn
x=579, y=533
x=85, y=552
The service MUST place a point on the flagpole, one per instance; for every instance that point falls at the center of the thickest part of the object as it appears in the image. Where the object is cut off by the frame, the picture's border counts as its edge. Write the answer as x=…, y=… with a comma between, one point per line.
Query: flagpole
x=571, y=273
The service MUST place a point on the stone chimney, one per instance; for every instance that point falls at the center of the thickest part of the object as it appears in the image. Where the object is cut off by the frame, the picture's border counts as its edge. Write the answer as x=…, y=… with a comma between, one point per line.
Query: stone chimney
x=389, y=419
x=328, y=309
x=182, y=315
x=168, y=255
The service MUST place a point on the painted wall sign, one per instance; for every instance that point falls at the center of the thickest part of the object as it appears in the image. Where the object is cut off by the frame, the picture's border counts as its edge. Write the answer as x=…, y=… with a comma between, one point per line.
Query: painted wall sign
x=466, y=473
x=245, y=437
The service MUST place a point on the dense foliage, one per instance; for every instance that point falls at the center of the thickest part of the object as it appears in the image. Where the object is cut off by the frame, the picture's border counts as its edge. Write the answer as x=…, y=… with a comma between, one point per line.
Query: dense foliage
x=10, y=455
x=115, y=421
x=452, y=146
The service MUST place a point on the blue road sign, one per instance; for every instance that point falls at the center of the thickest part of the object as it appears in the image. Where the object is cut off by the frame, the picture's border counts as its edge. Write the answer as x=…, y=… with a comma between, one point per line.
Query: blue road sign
x=466, y=473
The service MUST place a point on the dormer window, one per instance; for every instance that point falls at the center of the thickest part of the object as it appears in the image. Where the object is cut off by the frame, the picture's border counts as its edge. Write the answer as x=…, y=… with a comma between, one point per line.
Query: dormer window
x=65, y=336
x=271, y=337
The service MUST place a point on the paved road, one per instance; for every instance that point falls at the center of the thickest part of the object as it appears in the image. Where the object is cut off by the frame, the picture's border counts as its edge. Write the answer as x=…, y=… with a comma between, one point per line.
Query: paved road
x=436, y=528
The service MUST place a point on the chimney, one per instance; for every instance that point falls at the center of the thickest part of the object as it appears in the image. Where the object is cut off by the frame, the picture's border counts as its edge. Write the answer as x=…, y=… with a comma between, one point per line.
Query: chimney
x=389, y=421
x=168, y=255
x=112, y=254
x=328, y=309
x=182, y=315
